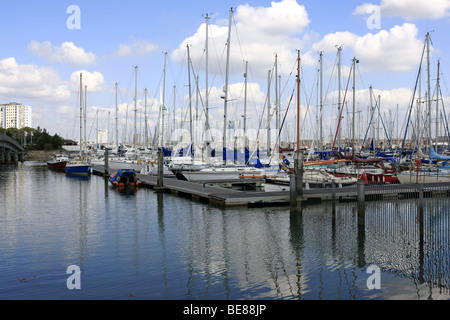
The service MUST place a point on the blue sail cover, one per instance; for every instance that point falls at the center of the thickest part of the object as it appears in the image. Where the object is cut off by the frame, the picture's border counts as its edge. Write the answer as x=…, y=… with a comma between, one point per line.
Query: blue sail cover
x=434, y=155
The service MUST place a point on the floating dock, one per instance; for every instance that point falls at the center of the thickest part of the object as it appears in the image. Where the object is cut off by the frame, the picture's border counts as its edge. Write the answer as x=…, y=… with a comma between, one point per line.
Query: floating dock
x=215, y=194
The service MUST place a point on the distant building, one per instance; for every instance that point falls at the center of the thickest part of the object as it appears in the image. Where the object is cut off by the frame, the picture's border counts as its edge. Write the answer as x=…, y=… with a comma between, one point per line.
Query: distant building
x=102, y=136
x=15, y=115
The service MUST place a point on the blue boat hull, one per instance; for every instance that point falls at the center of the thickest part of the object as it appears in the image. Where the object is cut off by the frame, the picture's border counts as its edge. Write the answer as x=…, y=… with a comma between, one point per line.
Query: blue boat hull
x=78, y=169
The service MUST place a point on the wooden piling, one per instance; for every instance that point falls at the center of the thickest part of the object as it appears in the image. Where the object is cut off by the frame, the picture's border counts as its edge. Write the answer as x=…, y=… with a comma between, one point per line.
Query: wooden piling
x=296, y=183
x=106, y=173
x=361, y=196
x=160, y=180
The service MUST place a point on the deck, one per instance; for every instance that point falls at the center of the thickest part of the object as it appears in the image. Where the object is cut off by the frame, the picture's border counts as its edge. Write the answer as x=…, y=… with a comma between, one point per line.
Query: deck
x=230, y=197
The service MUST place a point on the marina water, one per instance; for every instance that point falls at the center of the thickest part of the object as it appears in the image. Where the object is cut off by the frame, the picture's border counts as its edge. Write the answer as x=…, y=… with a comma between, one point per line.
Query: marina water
x=139, y=244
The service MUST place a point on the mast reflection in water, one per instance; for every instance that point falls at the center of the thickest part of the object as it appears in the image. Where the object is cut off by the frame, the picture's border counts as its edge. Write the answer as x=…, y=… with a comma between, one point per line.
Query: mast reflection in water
x=145, y=245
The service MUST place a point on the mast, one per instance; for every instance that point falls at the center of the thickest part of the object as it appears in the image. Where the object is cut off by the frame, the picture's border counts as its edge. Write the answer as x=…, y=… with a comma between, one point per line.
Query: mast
x=190, y=101
x=298, y=101
x=145, y=117
x=428, y=90
x=355, y=61
x=321, y=102
x=81, y=114
x=437, y=106
x=224, y=138
x=84, y=117
x=277, y=107
x=117, y=128
x=97, y=131
x=268, y=114
x=372, y=115
x=163, y=107
x=135, y=107
x=245, y=115
x=206, y=77
x=339, y=94
x=174, y=106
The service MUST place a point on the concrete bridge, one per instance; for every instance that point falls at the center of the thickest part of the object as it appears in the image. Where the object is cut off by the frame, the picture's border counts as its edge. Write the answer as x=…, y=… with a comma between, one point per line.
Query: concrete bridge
x=10, y=150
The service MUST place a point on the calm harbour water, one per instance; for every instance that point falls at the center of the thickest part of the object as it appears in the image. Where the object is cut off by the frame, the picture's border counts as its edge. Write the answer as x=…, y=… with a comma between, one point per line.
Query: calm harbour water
x=144, y=245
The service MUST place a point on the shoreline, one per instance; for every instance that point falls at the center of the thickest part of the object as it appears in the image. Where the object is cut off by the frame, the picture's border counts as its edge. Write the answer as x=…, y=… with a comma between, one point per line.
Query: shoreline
x=39, y=155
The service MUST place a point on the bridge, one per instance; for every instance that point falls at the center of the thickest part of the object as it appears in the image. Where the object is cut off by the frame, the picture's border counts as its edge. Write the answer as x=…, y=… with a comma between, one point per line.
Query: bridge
x=10, y=150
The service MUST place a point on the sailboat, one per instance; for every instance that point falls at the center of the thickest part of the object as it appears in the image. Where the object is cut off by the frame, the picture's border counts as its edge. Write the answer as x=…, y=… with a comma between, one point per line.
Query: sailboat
x=79, y=166
x=426, y=167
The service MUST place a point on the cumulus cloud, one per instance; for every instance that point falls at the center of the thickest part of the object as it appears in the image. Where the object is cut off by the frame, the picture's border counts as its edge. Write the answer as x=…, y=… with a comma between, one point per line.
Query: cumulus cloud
x=257, y=34
x=67, y=52
x=411, y=9
x=30, y=82
x=397, y=49
x=136, y=47
x=94, y=81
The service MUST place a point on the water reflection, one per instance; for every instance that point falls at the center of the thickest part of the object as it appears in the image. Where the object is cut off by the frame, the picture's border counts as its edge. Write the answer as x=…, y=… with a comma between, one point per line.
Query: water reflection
x=150, y=245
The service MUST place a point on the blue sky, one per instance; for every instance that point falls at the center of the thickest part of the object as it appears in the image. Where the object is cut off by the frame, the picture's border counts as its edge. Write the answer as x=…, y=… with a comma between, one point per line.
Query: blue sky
x=41, y=57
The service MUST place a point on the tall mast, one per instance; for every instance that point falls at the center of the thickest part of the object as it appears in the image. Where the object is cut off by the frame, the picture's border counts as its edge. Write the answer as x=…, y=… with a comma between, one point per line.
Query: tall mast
x=174, y=106
x=245, y=113
x=117, y=128
x=268, y=114
x=225, y=124
x=298, y=102
x=81, y=114
x=135, y=106
x=163, y=107
x=437, y=104
x=339, y=93
x=190, y=100
x=372, y=113
x=206, y=77
x=277, y=107
x=428, y=90
x=145, y=117
x=321, y=101
x=84, y=117
x=355, y=61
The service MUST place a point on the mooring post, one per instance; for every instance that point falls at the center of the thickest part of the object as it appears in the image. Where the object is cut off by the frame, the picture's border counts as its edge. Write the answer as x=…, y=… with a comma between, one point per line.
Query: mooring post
x=296, y=182
x=333, y=197
x=361, y=196
x=361, y=221
x=106, y=174
x=421, y=234
x=160, y=180
x=421, y=201
x=292, y=191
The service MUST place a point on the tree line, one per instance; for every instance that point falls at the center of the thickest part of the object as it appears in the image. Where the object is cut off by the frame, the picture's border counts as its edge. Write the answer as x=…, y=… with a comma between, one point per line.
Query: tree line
x=35, y=139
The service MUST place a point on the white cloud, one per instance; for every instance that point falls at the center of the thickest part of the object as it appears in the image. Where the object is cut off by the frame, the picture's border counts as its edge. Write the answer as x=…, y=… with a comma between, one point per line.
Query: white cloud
x=68, y=53
x=137, y=47
x=28, y=82
x=398, y=49
x=94, y=81
x=411, y=9
x=257, y=34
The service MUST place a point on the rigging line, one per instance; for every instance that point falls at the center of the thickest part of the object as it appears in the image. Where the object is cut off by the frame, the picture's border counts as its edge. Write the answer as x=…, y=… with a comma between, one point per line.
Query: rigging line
x=308, y=106
x=329, y=82
x=411, y=107
x=217, y=56
x=445, y=116
x=261, y=119
x=342, y=108
x=238, y=39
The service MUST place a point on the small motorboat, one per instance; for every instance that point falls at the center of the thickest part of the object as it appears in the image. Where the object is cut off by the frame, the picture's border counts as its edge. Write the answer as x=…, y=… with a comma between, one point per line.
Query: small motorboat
x=125, y=178
x=58, y=162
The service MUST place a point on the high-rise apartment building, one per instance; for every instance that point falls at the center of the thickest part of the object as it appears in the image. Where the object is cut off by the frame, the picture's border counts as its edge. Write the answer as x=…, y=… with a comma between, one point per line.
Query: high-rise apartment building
x=15, y=115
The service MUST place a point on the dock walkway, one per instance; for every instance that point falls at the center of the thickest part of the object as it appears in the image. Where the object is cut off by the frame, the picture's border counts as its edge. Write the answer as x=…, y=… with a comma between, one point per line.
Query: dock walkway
x=228, y=197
